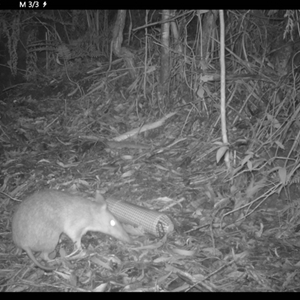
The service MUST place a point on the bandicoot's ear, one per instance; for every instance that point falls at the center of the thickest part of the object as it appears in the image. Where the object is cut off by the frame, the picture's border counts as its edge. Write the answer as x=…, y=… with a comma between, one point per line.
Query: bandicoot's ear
x=99, y=198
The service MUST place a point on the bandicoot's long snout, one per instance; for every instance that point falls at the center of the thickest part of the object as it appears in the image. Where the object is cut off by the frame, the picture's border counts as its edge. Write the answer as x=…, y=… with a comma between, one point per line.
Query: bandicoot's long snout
x=117, y=231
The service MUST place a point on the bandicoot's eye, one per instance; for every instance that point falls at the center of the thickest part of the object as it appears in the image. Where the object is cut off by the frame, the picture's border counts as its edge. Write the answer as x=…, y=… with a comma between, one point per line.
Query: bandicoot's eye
x=112, y=223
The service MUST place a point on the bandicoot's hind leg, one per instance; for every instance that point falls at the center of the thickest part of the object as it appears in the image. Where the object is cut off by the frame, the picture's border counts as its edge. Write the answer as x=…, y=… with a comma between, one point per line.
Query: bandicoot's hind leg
x=30, y=254
x=45, y=256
